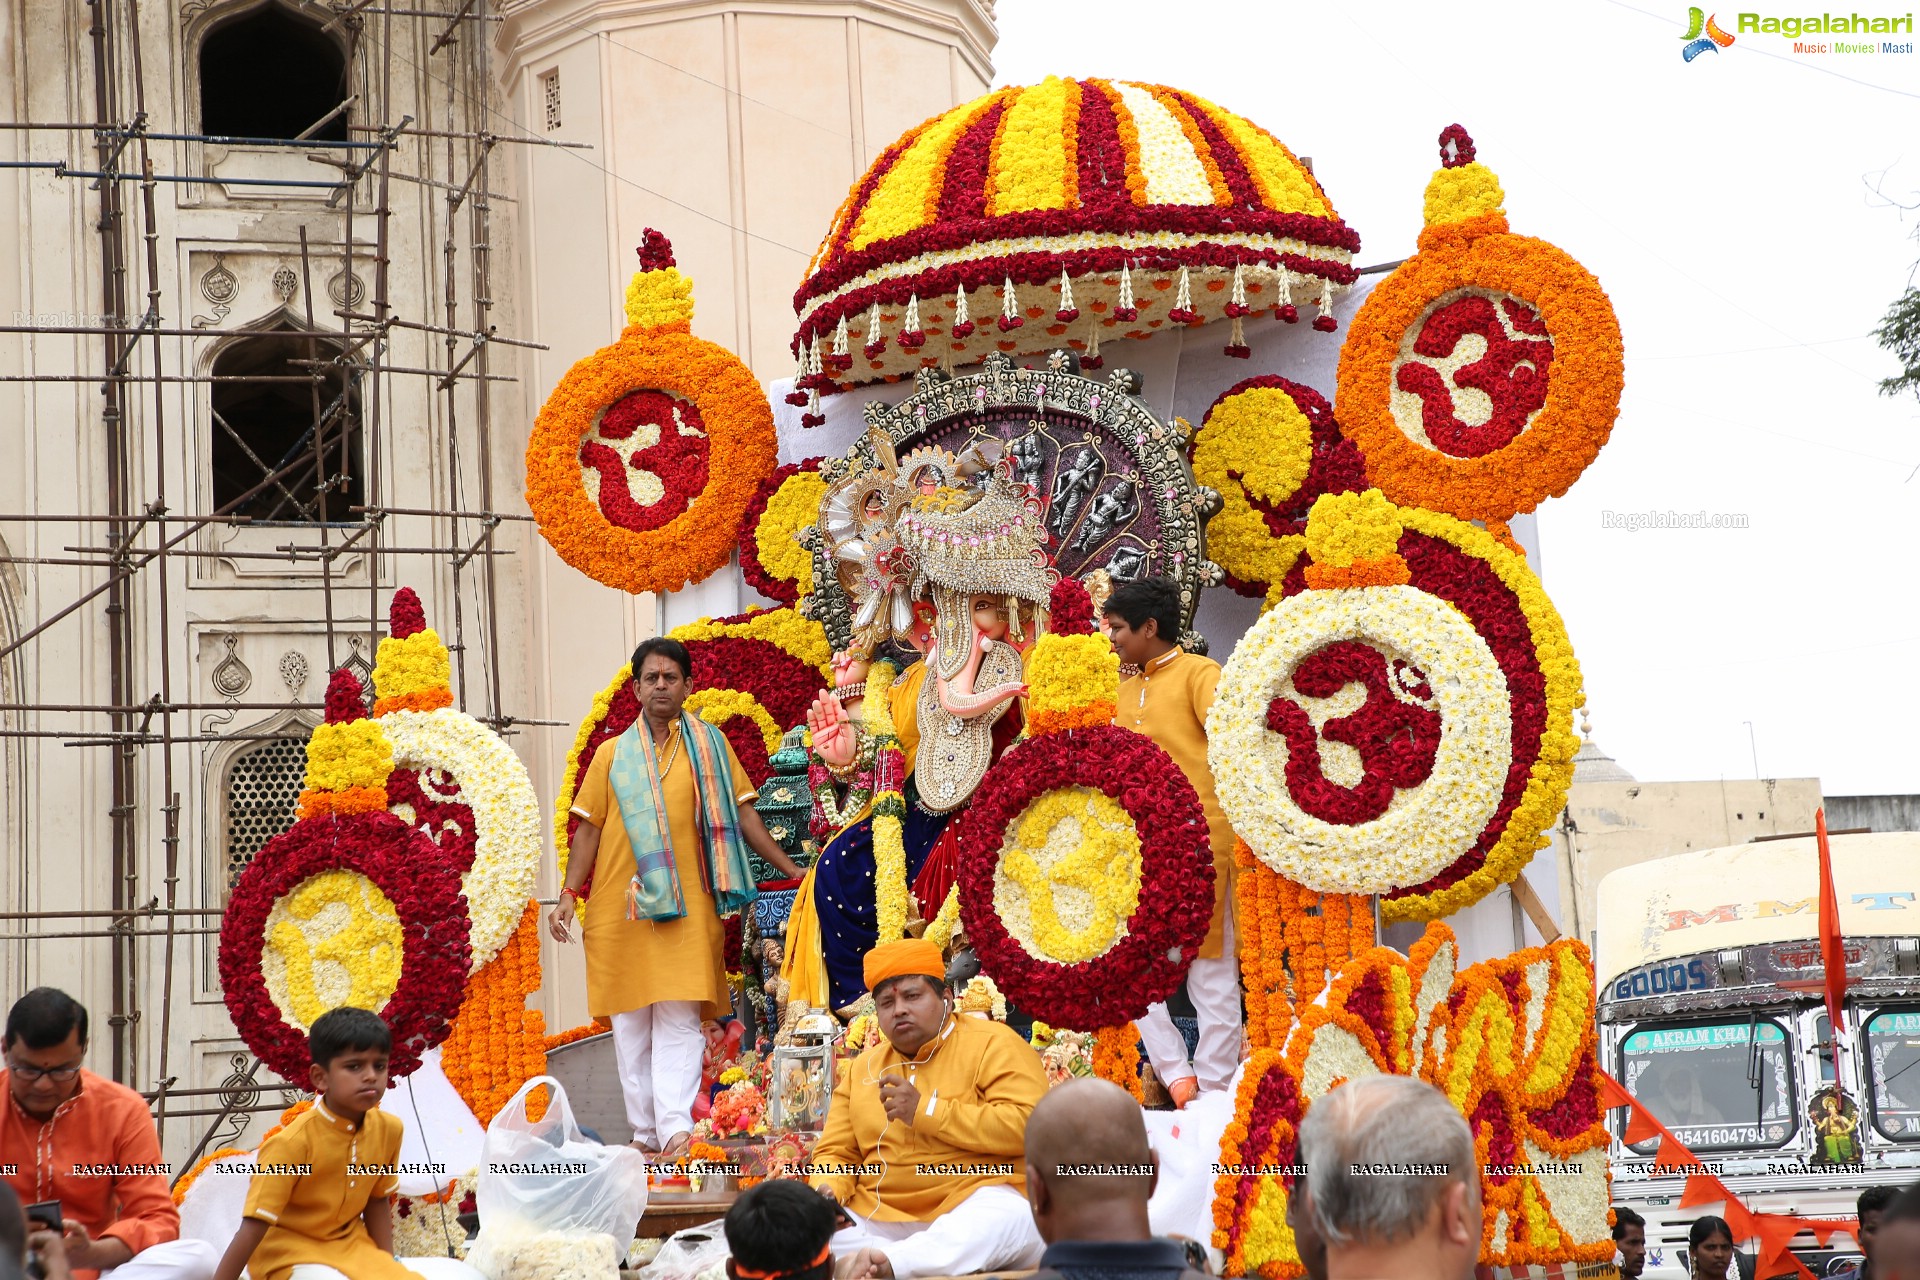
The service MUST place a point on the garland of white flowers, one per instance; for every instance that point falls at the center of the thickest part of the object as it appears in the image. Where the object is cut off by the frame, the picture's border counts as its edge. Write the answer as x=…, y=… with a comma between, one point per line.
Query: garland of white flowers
x=1426, y=827
x=506, y=814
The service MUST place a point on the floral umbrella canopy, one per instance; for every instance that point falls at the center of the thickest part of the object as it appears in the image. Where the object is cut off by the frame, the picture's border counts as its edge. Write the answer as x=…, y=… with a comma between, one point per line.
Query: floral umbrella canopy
x=990, y=228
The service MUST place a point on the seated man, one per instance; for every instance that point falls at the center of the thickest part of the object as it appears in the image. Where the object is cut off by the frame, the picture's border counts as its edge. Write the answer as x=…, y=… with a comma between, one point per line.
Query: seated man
x=1090, y=1174
x=62, y=1119
x=924, y=1137
x=1393, y=1184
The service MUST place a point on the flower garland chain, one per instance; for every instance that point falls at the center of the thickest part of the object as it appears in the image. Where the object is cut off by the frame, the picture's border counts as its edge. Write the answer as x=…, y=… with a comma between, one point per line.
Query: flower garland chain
x=496, y=1044
x=889, y=810
x=1116, y=1058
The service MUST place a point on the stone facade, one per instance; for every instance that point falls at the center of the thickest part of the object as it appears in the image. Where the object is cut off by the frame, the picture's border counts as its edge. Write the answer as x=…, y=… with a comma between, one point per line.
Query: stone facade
x=735, y=128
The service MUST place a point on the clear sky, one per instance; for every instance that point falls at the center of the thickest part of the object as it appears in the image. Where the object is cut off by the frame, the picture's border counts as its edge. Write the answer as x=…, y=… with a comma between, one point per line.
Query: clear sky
x=1728, y=207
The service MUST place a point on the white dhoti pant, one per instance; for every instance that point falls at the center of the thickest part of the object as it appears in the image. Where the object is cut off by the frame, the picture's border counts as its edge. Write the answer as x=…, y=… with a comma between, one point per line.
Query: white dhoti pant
x=432, y=1268
x=991, y=1230
x=169, y=1260
x=1214, y=988
x=658, y=1048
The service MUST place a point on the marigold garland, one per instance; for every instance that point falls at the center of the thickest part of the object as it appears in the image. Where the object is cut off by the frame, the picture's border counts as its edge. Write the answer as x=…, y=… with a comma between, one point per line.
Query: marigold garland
x=1551, y=362
x=1511, y=1043
x=496, y=1044
x=1116, y=1058
x=1258, y=1151
x=772, y=558
x=655, y=355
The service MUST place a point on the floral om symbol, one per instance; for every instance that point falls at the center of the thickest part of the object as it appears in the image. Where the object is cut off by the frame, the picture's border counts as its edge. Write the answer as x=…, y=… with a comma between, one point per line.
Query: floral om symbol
x=1396, y=738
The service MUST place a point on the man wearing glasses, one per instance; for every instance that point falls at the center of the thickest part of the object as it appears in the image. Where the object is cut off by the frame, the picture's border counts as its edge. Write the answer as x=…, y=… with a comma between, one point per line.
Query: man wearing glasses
x=87, y=1143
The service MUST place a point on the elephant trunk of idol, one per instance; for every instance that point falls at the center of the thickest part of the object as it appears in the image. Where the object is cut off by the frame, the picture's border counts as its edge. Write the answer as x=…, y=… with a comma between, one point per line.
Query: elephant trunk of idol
x=958, y=696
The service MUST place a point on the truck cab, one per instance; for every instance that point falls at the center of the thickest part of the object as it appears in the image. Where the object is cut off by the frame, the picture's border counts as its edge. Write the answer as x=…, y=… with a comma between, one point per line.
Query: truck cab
x=1712, y=1015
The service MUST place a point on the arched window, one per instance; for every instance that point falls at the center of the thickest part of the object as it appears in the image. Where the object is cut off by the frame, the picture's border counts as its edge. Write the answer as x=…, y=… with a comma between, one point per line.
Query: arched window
x=271, y=73
x=264, y=430
x=262, y=787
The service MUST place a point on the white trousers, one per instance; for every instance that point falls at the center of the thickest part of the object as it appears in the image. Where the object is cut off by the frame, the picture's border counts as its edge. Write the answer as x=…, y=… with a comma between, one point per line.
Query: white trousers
x=658, y=1048
x=991, y=1230
x=169, y=1260
x=432, y=1268
x=1214, y=988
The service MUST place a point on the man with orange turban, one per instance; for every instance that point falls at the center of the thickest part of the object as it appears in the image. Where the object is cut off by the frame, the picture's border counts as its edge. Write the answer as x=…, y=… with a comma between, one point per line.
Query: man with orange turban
x=924, y=1139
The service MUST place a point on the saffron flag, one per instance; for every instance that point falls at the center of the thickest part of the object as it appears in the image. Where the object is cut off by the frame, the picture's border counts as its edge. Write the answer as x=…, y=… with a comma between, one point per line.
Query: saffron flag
x=1833, y=956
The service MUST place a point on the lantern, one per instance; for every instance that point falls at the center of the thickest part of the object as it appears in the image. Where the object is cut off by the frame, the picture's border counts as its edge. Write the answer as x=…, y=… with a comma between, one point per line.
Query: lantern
x=802, y=1077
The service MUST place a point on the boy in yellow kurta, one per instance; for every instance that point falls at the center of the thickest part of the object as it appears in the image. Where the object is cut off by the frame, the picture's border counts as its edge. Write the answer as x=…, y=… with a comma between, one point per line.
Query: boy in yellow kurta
x=925, y=1139
x=658, y=979
x=1168, y=701
x=322, y=1191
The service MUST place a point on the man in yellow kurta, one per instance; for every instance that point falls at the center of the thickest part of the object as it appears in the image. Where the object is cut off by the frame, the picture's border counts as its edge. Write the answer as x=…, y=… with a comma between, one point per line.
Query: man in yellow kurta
x=1168, y=701
x=653, y=932
x=925, y=1138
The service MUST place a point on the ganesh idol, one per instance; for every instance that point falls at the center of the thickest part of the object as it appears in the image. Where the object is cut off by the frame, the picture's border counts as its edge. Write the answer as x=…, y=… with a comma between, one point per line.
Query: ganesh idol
x=942, y=561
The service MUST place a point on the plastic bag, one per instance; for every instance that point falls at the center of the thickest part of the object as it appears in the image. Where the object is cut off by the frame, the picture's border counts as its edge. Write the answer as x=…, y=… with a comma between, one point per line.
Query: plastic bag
x=689, y=1253
x=544, y=1177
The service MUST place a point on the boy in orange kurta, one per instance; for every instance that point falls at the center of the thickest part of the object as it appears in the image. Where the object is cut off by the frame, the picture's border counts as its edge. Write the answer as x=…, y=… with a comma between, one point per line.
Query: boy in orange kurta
x=1168, y=701
x=320, y=1203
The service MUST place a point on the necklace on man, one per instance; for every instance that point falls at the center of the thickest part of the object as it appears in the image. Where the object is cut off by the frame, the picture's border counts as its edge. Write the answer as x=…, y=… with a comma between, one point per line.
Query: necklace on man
x=673, y=749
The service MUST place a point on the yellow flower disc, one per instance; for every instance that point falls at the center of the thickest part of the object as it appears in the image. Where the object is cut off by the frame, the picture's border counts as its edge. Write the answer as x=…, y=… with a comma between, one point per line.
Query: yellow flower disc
x=334, y=940
x=795, y=506
x=1069, y=875
x=717, y=706
x=1255, y=445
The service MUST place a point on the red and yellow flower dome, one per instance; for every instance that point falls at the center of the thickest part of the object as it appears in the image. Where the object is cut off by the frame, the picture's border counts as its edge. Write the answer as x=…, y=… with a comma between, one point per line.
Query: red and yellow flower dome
x=1063, y=214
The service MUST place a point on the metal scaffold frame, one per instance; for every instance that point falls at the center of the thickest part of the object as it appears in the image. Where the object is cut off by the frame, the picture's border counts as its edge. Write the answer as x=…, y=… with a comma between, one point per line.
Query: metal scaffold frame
x=126, y=551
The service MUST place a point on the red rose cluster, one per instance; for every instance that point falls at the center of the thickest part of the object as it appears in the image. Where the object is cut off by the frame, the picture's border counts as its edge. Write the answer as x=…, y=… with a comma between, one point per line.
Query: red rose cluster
x=1176, y=874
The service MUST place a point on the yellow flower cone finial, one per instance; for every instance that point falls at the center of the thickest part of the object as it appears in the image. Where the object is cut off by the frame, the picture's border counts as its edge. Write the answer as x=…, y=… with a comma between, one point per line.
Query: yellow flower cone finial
x=411, y=669
x=348, y=757
x=1463, y=195
x=1352, y=538
x=659, y=297
x=1073, y=674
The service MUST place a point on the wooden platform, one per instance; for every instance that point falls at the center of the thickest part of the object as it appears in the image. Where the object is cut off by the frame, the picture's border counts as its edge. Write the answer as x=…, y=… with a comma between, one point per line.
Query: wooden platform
x=671, y=1211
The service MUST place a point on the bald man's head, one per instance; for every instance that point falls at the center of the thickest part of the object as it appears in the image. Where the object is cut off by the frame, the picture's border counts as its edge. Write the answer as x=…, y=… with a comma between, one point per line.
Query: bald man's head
x=1086, y=1149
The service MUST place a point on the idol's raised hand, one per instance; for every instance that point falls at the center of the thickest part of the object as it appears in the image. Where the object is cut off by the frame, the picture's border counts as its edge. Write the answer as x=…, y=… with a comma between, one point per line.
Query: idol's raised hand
x=832, y=730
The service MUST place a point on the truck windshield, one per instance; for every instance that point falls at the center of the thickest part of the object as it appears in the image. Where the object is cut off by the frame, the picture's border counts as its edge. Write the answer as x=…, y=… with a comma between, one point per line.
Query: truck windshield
x=1718, y=1086
x=1893, y=1058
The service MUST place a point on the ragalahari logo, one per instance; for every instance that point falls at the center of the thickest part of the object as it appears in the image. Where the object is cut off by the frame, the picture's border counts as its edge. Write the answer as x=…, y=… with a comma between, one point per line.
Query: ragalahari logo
x=1703, y=34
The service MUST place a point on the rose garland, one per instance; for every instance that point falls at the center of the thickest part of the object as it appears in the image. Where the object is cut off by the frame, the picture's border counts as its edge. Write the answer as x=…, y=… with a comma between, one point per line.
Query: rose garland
x=1549, y=360
x=1100, y=812
x=404, y=948
x=1473, y=640
x=716, y=445
x=496, y=1043
x=1492, y=586
x=1269, y=447
x=454, y=779
x=1162, y=934
x=772, y=559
